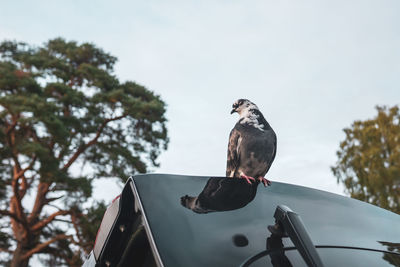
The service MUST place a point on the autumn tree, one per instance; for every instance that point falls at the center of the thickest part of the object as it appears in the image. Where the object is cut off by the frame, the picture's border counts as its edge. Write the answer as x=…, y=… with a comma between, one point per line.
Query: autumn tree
x=65, y=119
x=369, y=159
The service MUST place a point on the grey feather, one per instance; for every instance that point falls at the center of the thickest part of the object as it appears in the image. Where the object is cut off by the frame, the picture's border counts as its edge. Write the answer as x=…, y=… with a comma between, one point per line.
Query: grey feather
x=252, y=143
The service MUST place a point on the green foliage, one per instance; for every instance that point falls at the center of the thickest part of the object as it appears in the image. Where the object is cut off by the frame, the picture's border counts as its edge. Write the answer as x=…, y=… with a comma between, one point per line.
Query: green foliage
x=62, y=106
x=369, y=160
x=64, y=92
x=88, y=224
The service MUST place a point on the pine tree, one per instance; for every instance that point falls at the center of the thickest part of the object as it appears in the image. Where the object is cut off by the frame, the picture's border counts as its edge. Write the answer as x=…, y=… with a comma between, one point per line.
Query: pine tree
x=65, y=119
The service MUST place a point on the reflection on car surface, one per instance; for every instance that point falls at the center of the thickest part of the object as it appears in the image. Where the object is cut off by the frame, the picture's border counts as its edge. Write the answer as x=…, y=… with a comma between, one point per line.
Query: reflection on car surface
x=172, y=220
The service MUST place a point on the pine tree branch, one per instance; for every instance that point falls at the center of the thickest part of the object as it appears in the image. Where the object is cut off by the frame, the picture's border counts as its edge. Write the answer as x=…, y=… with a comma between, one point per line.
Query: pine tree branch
x=21, y=175
x=82, y=148
x=12, y=126
x=40, y=200
x=51, y=199
x=22, y=172
x=61, y=220
x=16, y=199
x=44, y=245
x=12, y=215
x=64, y=150
x=74, y=221
x=6, y=250
x=54, y=206
x=38, y=226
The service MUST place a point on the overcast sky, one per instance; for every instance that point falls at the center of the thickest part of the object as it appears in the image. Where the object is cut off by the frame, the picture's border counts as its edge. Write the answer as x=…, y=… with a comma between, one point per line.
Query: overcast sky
x=312, y=67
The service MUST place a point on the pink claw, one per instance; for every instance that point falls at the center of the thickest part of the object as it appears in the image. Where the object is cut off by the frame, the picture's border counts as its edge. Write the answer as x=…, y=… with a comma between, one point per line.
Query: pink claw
x=248, y=178
x=266, y=182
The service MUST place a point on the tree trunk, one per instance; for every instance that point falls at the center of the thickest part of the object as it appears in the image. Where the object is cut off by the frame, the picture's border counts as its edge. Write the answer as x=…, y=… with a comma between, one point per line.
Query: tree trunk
x=17, y=259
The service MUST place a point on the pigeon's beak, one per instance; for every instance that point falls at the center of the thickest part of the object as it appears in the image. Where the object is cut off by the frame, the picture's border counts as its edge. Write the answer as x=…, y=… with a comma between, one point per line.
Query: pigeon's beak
x=233, y=110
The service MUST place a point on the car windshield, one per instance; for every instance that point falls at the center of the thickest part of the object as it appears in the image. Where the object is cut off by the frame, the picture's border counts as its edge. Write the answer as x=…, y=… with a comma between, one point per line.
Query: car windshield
x=218, y=221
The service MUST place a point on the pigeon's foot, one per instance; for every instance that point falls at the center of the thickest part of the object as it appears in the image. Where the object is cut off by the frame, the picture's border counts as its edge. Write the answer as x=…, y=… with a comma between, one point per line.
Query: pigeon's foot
x=248, y=178
x=266, y=182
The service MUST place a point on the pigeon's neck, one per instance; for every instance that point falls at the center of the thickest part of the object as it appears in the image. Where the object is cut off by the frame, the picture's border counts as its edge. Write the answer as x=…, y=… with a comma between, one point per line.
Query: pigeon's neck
x=254, y=118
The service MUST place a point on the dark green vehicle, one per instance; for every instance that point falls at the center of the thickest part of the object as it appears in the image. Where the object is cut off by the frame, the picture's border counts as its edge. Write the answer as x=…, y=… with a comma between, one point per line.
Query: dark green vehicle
x=172, y=221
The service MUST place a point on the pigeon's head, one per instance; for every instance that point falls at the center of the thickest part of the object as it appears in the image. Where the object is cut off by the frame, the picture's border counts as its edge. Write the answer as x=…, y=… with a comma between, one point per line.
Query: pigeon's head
x=242, y=106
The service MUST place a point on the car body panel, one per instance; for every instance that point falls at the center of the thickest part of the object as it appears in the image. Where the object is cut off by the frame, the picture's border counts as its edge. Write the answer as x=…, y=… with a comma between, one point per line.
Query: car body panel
x=205, y=236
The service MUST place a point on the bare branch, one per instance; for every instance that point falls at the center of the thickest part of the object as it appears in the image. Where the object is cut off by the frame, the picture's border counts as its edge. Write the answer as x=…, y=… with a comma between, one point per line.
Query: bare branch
x=38, y=226
x=54, y=206
x=15, y=187
x=40, y=200
x=61, y=220
x=6, y=250
x=24, y=182
x=22, y=172
x=44, y=245
x=74, y=221
x=15, y=204
x=51, y=199
x=82, y=148
x=12, y=215
x=31, y=180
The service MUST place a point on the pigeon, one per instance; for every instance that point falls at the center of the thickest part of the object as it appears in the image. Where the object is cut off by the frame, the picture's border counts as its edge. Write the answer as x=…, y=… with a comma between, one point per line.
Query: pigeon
x=252, y=144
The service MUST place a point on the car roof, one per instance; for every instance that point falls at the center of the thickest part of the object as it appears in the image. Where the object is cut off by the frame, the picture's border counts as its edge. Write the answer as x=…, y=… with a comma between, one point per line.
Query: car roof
x=226, y=220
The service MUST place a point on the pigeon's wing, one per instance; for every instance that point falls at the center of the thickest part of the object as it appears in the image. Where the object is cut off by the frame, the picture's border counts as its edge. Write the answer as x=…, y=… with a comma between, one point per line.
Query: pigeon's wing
x=273, y=154
x=233, y=153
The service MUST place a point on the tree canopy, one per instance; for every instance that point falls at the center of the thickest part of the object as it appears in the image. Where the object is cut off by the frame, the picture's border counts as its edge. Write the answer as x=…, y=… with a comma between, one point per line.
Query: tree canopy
x=66, y=119
x=369, y=159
